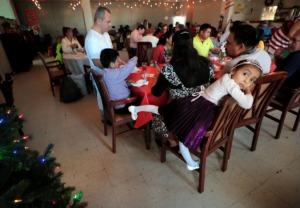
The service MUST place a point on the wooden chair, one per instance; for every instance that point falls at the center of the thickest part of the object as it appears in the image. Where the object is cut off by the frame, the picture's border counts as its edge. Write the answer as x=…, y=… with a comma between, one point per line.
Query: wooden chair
x=142, y=51
x=88, y=82
x=263, y=92
x=55, y=71
x=285, y=105
x=116, y=119
x=217, y=136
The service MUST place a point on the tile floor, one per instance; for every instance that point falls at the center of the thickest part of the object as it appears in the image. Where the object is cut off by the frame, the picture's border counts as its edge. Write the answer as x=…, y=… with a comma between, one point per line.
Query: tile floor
x=134, y=176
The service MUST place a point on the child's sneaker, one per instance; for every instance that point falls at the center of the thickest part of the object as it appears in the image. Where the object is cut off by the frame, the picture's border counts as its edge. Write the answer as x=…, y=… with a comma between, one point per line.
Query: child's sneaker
x=190, y=168
x=132, y=111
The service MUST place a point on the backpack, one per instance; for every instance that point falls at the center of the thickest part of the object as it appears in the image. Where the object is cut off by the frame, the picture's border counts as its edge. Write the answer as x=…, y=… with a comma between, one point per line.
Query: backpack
x=68, y=90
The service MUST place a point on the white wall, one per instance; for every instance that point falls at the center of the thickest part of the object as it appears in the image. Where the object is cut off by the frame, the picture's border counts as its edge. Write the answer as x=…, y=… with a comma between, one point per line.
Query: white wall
x=207, y=12
x=6, y=9
x=53, y=16
x=253, y=9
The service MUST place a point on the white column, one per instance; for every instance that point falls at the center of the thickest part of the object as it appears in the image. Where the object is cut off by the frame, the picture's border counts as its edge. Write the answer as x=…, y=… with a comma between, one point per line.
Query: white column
x=87, y=14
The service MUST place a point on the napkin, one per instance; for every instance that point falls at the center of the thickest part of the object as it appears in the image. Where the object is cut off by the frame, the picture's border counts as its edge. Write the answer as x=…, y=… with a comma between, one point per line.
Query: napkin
x=135, y=70
x=139, y=83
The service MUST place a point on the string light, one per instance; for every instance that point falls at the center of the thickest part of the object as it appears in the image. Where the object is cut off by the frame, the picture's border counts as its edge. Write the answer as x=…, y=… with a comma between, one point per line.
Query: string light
x=37, y=4
x=74, y=5
x=26, y=137
x=18, y=200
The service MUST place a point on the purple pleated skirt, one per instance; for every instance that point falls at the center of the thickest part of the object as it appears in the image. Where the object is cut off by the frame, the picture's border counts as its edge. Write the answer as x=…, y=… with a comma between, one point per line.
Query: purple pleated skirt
x=188, y=120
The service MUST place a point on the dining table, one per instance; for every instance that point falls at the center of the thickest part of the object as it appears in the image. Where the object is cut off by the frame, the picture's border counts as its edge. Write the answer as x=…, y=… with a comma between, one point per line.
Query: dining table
x=75, y=61
x=219, y=65
x=146, y=77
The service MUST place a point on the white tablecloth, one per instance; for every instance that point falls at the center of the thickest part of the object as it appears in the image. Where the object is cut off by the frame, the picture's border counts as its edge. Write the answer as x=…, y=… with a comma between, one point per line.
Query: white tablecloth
x=75, y=62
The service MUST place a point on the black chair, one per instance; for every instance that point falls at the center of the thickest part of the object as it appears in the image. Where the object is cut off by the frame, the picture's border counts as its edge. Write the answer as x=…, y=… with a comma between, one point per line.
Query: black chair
x=142, y=52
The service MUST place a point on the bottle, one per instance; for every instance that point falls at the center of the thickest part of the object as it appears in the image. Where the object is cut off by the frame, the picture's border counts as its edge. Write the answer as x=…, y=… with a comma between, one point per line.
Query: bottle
x=222, y=55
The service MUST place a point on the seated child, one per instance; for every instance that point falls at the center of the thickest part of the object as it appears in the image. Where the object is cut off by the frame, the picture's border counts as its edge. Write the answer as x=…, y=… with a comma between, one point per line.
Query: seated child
x=189, y=118
x=114, y=76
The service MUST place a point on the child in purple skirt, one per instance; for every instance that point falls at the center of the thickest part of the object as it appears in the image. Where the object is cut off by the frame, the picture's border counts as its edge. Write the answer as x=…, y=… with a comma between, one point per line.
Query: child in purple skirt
x=189, y=118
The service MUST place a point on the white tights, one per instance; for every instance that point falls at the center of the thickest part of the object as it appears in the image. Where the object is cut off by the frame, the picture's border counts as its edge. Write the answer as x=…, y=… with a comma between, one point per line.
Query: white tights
x=147, y=108
x=185, y=152
x=183, y=149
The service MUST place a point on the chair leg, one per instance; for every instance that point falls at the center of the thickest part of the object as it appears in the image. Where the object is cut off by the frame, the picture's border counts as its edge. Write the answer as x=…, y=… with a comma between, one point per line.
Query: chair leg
x=255, y=136
x=297, y=121
x=280, y=125
x=52, y=88
x=226, y=156
x=202, y=174
x=163, y=150
x=105, y=125
x=113, y=139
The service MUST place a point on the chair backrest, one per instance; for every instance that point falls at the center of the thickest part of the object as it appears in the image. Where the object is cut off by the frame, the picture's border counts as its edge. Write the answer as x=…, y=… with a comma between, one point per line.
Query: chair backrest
x=142, y=51
x=264, y=90
x=43, y=59
x=222, y=126
x=294, y=101
x=149, y=54
x=108, y=109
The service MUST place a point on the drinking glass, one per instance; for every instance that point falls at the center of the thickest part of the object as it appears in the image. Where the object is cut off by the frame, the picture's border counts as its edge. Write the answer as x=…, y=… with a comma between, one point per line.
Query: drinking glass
x=144, y=66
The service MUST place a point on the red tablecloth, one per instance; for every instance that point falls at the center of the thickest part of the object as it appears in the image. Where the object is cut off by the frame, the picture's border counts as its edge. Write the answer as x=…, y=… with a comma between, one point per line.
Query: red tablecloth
x=145, y=92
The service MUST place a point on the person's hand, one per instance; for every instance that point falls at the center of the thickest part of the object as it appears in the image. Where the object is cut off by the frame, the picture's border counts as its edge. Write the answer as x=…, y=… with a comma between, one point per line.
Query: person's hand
x=216, y=50
x=168, y=59
x=74, y=45
x=249, y=89
x=279, y=51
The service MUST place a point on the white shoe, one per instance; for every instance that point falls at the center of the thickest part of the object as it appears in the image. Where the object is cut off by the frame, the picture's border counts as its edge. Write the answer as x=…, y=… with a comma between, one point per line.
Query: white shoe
x=132, y=111
x=190, y=168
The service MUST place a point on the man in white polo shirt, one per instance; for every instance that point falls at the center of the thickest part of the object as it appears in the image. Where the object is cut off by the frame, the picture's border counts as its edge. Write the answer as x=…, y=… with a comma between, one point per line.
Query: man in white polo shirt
x=96, y=40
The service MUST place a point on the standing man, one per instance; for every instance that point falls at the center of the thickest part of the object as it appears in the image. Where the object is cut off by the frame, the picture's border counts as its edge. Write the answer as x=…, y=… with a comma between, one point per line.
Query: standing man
x=241, y=44
x=291, y=63
x=97, y=38
x=202, y=42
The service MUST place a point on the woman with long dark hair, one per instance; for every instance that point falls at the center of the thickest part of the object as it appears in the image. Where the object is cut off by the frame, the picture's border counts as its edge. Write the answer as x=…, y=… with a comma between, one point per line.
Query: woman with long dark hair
x=185, y=74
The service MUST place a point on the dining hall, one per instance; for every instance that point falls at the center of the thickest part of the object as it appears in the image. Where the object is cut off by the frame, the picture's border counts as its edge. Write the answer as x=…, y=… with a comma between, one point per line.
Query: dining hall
x=149, y=103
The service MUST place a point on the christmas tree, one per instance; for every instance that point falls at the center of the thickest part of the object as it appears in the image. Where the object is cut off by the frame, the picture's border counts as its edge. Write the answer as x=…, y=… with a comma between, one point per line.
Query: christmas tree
x=27, y=178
